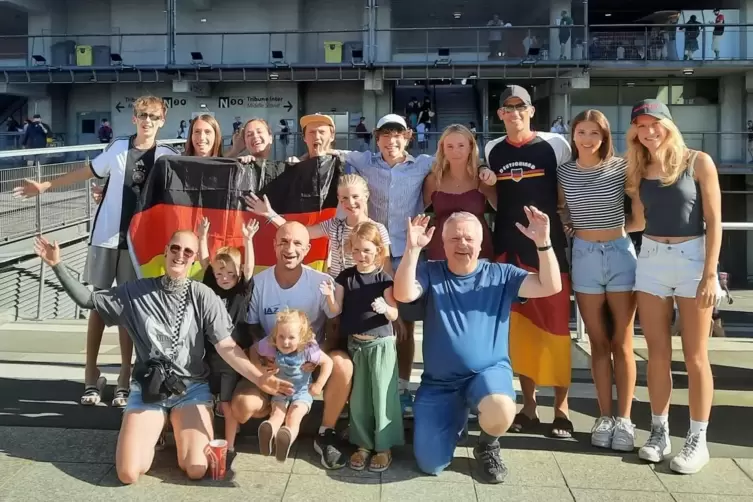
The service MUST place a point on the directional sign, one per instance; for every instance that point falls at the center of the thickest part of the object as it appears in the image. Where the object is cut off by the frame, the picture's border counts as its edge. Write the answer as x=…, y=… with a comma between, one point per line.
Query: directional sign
x=289, y=106
x=119, y=107
x=254, y=102
x=173, y=102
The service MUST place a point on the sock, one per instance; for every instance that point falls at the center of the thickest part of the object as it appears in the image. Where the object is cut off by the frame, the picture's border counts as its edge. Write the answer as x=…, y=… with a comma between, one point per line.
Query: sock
x=323, y=429
x=485, y=438
x=697, y=427
x=623, y=420
x=658, y=420
x=402, y=385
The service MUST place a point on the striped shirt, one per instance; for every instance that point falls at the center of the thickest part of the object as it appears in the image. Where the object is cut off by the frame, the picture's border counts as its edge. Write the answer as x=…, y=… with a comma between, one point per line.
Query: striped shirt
x=396, y=192
x=338, y=233
x=596, y=196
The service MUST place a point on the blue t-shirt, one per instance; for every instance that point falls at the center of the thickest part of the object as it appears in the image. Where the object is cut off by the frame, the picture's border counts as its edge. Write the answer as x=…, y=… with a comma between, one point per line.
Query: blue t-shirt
x=467, y=323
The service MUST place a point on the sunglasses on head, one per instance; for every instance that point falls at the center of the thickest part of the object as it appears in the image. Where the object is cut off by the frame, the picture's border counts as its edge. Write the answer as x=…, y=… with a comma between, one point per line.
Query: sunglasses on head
x=143, y=116
x=188, y=253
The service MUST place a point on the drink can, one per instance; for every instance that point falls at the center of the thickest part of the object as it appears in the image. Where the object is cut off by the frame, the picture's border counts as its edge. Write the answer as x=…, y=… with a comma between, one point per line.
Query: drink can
x=216, y=452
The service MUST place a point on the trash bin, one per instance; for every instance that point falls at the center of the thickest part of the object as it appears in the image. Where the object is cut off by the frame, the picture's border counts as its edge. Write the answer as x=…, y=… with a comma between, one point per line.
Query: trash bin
x=84, y=55
x=333, y=52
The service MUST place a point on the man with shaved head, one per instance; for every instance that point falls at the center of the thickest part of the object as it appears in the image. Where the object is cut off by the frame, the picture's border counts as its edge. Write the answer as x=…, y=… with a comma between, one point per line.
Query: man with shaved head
x=290, y=284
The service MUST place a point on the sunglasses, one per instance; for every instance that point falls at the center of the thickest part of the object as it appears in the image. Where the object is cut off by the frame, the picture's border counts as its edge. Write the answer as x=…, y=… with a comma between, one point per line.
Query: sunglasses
x=152, y=116
x=188, y=253
x=514, y=108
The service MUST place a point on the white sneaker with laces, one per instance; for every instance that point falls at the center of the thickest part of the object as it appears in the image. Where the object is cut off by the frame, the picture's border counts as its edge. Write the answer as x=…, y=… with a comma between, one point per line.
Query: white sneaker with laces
x=601, y=433
x=693, y=456
x=657, y=446
x=623, y=437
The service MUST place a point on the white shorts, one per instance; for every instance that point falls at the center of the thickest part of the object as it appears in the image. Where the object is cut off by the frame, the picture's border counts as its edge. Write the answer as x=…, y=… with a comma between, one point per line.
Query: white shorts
x=668, y=270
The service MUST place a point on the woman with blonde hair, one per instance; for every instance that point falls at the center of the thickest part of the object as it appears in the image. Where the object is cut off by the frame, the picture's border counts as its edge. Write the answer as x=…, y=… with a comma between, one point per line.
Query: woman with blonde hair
x=603, y=269
x=678, y=261
x=453, y=185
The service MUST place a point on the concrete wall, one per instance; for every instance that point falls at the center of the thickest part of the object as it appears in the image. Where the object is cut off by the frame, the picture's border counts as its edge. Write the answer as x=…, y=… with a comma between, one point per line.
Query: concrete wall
x=732, y=95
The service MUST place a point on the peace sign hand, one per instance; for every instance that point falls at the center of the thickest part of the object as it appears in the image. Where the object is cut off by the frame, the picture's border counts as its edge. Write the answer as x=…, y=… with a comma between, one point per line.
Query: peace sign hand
x=538, y=226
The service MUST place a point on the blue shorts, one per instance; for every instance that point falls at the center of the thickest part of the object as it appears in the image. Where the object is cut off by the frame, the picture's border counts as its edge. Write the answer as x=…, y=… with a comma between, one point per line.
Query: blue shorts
x=603, y=267
x=197, y=394
x=440, y=414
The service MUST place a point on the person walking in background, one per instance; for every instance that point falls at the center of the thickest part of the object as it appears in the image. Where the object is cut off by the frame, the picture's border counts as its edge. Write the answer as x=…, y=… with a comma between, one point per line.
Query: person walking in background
x=716, y=40
x=363, y=135
x=105, y=132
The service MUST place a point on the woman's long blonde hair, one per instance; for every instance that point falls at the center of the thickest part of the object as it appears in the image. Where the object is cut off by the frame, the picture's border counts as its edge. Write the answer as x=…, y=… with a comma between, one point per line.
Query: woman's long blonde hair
x=671, y=154
x=442, y=165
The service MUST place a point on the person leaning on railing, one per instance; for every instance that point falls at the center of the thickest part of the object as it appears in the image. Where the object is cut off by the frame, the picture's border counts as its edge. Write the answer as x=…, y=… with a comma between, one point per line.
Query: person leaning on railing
x=169, y=319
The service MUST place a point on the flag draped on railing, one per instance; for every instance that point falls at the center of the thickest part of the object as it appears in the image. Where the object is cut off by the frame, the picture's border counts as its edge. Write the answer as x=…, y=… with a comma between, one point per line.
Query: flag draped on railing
x=180, y=191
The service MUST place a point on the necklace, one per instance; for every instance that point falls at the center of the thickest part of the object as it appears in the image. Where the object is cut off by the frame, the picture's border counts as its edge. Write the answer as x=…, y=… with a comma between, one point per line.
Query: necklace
x=596, y=166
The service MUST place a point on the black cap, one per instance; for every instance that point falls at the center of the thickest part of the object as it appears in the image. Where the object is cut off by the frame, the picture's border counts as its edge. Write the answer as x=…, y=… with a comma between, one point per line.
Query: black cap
x=652, y=108
x=37, y=116
x=515, y=91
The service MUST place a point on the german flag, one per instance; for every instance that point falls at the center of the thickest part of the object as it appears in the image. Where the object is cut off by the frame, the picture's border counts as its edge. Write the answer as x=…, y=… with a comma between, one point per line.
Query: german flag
x=180, y=191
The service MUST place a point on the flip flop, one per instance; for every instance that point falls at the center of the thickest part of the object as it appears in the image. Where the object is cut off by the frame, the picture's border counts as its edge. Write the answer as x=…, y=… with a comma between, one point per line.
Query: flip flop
x=523, y=423
x=92, y=395
x=564, y=425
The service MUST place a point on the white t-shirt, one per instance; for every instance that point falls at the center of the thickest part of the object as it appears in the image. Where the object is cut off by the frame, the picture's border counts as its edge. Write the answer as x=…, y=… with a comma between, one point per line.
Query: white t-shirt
x=269, y=298
x=126, y=170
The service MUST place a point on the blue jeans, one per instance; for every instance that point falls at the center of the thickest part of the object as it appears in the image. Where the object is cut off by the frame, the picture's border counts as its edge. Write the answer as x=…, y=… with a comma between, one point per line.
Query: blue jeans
x=603, y=267
x=197, y=394
x=440, y=413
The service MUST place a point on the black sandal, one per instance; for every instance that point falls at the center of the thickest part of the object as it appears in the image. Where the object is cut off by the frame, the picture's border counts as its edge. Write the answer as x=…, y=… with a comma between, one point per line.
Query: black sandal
x=523, y=423
x=561, y=428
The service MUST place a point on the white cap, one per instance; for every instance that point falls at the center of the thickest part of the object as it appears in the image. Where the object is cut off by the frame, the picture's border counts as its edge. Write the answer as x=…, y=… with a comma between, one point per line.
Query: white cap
x=392, y=118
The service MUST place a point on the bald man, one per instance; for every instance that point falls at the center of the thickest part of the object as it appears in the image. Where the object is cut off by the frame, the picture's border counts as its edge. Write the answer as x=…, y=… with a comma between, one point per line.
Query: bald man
x=294, y=285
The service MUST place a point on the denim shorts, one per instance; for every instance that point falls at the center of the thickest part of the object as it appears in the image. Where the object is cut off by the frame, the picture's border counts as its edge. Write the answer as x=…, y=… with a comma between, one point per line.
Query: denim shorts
x=603, y=267
x=299, y=396
x=668, y=270
x=197, y=394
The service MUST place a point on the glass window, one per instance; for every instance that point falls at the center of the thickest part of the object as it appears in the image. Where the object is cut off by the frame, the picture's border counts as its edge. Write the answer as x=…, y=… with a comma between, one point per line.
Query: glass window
x=695, y=92
x=638, y=91
x=596, y=95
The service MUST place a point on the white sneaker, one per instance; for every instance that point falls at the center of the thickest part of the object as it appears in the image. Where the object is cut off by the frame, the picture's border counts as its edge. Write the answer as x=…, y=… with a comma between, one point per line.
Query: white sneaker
x=623, y=437
x=657, y=446
x=693, y=456
x=601, y=433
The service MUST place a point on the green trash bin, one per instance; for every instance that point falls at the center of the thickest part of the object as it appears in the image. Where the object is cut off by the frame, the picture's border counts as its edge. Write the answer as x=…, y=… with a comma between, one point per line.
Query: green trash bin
x=333, y=52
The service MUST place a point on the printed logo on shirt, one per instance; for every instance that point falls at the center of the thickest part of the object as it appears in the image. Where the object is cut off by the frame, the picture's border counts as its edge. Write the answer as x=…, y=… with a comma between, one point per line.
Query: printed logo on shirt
x=271, y=310
x=518, y=170
x=139, y=173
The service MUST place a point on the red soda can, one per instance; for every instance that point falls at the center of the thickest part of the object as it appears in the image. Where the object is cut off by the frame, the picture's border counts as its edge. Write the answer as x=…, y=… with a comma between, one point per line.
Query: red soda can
x=216, y=452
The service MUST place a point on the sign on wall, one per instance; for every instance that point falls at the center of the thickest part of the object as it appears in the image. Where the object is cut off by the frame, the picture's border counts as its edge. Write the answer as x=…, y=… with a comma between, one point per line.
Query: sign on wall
x=254, y=102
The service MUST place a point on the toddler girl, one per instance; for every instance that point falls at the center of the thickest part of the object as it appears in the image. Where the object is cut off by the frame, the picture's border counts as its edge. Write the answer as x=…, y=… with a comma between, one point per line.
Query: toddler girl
x=291, y=345
x=230, y=278
x=362, y=295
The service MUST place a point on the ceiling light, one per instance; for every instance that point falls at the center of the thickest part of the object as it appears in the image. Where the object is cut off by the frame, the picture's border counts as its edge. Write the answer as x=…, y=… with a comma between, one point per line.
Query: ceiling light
x=203, y=20
x=608, y=14
x=688, y=71
x=457, y=15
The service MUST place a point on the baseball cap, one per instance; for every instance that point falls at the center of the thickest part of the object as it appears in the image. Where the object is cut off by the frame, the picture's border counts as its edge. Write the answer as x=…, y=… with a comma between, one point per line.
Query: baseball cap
x=515, y=91
x=392, y=119
x=317, y=117
x=652, y=108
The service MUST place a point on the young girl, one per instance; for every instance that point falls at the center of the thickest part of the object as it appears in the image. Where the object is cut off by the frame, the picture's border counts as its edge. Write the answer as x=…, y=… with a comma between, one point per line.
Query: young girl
x=230, y=278
x=679, y=191
x=291, y=345
x=353, y=196
x=363, y=296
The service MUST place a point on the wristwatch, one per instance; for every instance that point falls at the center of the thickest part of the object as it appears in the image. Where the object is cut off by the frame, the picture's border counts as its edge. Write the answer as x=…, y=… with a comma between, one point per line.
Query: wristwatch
x=547, y=247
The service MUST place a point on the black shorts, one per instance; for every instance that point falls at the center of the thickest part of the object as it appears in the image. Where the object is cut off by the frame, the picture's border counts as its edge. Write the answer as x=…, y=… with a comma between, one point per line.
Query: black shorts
x=222, y=378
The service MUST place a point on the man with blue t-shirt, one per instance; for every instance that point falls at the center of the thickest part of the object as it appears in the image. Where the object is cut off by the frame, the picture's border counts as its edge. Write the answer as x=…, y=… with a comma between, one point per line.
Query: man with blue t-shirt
x=466, y=328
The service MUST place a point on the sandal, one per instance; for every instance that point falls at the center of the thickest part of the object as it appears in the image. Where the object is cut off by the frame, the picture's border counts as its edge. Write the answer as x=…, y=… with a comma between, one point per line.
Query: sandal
x=381, y=461
x=120, y=398
x=359, y=458
x=561, y=428
x=92, y=395
x=523, y=423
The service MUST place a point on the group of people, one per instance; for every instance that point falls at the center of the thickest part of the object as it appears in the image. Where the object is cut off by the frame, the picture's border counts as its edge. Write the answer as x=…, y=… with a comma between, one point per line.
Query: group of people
x=494, y=300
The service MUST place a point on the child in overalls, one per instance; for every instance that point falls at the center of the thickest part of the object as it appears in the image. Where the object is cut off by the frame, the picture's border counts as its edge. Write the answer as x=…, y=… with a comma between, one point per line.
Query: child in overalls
x=291, y=345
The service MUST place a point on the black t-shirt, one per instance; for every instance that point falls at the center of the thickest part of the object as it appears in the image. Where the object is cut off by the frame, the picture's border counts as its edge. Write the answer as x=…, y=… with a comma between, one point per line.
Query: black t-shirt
x=236, y=302
x=358, y=318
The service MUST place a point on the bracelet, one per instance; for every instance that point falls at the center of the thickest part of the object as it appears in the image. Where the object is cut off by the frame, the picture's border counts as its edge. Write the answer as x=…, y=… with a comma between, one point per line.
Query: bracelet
x=271, y=217
x=545, y=248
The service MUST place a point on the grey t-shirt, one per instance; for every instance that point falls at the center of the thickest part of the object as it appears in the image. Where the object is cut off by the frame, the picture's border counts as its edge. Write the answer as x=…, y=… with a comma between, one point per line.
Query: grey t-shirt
x=147, y=311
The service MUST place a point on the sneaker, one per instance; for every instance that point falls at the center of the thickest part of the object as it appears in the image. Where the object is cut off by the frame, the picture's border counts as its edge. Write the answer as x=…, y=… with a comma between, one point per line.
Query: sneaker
x=491, y=469
x=657, y=446
x=601, y=433
x=406, y=403
x=693, y=456
x=284, y=441
x=266, y=435
x=623, y=437
x=326, y=446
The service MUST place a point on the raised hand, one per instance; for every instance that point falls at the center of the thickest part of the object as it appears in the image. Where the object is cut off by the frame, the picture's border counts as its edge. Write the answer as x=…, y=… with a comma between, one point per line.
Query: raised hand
x=202, y=231
x=487, y=176
x=29, y=188
x=250, y=229
x=262, y=207
x=379, y=305
x=98, y=193
x=538, y=226
x=327, y=288
x=49, y=252
x=418, y=234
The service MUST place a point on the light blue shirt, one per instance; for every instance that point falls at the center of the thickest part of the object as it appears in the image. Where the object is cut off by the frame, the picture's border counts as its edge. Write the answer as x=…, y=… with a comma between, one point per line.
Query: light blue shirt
x=396, y=192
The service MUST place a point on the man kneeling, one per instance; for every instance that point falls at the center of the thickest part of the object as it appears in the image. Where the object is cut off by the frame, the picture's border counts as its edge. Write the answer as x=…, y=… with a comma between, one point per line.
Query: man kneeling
x=466, y=327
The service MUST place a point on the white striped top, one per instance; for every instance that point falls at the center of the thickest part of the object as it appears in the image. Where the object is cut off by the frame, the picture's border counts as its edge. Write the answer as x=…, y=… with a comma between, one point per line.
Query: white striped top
x=595, y=196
